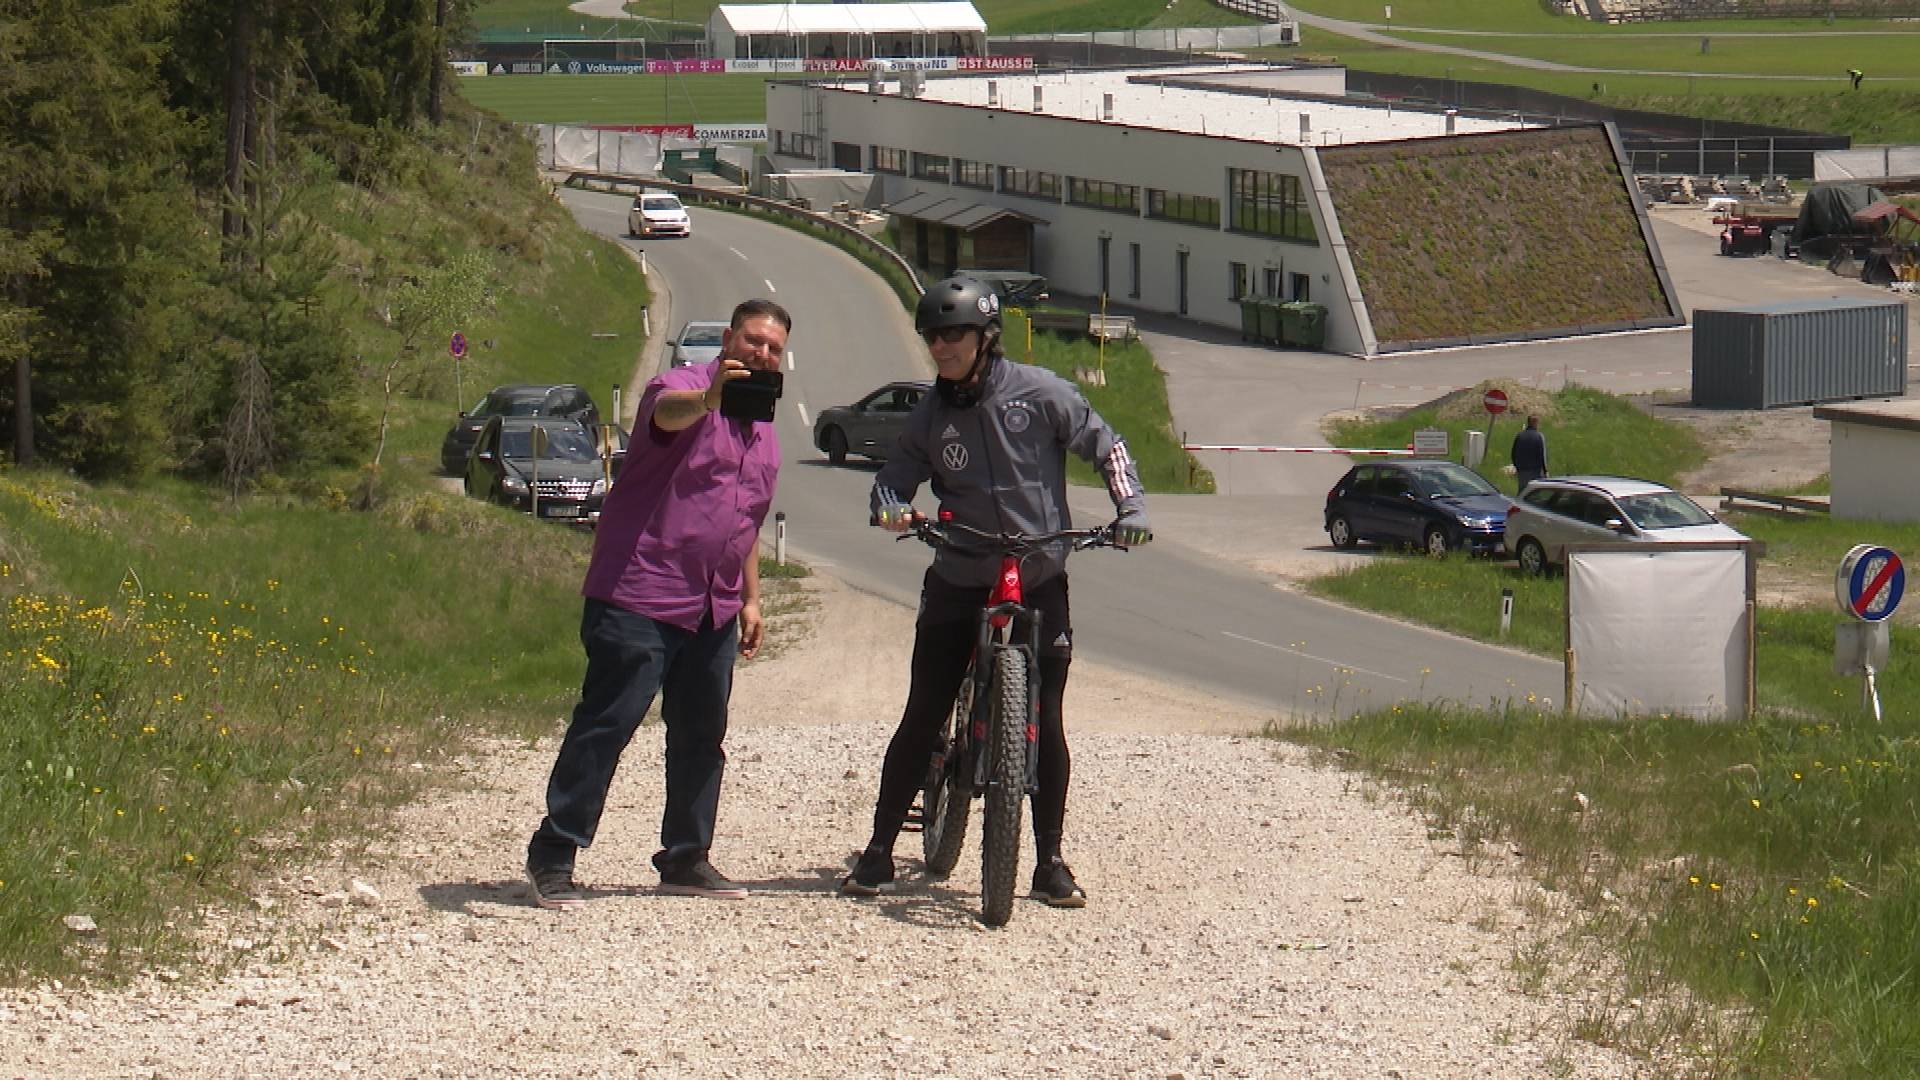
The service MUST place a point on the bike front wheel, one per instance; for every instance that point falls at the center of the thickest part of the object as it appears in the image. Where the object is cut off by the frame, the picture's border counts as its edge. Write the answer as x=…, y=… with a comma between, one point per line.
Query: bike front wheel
x=1007, y=790
x=947, y=797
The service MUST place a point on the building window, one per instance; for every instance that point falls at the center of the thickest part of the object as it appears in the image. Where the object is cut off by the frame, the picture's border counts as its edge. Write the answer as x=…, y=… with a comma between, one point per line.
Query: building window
x=1188, y=209
x=1031, y=183
x=1103, y=195
x=889, y=159
x=1236, y=280
x=1133, y=268
x=1302, y=287
x=1270, y=281
x=798, y=145
x=931, y=167
x=1269, y=204
x=977, y=174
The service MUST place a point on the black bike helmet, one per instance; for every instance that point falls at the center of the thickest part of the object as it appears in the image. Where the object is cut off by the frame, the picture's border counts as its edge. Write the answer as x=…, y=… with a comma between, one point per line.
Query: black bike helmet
x=957, y=301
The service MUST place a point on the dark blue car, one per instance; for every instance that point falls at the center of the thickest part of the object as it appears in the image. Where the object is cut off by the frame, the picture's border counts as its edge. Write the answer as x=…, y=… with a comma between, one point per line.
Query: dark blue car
x=1437, y=506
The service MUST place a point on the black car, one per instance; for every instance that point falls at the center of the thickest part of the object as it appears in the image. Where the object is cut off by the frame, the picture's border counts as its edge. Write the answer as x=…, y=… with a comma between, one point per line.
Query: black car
x=1434, y=505
x=868, y=426
x=569, y=476
x=516, y=399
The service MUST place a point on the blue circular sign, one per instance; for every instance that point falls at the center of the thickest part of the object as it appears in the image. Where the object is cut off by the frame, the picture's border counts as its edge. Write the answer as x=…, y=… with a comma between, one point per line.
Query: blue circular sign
x=1870, y=582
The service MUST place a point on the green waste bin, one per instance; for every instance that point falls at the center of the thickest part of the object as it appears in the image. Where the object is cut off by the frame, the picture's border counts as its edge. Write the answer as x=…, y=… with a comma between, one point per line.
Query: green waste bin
x=1249, y=318
x=1269, y=322
x=1289, y=323
x=1311, y=329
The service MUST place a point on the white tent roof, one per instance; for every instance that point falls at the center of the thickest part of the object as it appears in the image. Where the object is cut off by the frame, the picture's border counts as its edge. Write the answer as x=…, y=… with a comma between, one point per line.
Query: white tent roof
x=932, y=18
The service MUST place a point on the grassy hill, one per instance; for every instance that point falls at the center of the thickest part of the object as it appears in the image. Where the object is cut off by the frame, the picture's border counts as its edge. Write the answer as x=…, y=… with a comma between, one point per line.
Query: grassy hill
x=1472, y=216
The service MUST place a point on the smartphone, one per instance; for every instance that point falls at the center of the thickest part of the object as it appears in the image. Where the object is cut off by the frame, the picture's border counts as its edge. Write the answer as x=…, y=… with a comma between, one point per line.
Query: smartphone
x=751, y=398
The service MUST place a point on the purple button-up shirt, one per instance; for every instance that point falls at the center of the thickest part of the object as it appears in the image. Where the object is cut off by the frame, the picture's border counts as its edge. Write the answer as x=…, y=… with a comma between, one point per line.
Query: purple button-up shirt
x=683, y=518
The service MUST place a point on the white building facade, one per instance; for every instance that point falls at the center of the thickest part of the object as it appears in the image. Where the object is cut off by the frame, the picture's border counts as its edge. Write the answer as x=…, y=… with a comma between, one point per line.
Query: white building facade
x=1156, y=190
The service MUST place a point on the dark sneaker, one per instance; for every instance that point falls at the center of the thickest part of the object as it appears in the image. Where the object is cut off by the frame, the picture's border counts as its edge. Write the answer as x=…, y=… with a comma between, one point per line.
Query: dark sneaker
x=699, y=879
x=553, y=888
x=1054, y=883
x=872, y=875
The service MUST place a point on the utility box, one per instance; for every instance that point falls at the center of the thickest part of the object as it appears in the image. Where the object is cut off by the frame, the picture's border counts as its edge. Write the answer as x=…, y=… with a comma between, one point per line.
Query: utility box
x=1799, y=352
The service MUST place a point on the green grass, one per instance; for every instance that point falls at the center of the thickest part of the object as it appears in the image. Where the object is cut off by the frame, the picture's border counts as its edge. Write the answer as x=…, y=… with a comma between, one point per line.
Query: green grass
x=1133, y=402
x=1587, y=431
x=1757, y=885
x=624, y=99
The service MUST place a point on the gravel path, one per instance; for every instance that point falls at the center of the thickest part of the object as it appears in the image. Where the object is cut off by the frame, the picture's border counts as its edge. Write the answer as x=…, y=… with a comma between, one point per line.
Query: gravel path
x=1251, y=916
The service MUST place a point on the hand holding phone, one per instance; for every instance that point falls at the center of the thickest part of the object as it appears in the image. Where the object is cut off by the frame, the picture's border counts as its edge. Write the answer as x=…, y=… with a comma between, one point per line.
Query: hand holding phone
x=751, y=397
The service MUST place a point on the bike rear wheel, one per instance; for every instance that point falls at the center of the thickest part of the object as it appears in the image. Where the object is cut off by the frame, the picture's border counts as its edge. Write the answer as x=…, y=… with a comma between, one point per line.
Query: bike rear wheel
x=1007, y=791
x=946, y=798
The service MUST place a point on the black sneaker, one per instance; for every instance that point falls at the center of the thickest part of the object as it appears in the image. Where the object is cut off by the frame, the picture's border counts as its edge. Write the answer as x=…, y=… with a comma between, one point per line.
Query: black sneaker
x=872, y=875
x=1054, y=883
x=553, y=888
x=699, y=879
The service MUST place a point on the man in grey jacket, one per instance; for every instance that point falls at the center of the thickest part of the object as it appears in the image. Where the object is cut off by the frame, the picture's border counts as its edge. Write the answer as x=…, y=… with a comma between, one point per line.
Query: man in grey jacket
x=993, y=440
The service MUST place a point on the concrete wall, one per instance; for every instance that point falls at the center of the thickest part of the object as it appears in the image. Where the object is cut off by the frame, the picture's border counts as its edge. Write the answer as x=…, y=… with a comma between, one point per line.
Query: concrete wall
x=1123, y=150
x=1873, y=469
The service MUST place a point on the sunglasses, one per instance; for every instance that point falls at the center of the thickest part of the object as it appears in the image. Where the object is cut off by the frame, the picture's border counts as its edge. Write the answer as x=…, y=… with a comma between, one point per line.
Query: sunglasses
x=952, y=335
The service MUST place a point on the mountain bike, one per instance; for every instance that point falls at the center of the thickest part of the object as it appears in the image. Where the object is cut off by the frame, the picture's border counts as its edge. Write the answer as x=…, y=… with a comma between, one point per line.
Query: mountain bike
x=989, y=746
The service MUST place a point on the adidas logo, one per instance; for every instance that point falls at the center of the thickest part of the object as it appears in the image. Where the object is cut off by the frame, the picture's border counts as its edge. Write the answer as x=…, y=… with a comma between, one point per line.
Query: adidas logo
x=1063, y=642
x=951, y=432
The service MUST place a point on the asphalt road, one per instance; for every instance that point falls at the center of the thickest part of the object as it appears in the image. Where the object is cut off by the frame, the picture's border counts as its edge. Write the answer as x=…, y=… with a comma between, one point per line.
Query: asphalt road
x=1173, y=610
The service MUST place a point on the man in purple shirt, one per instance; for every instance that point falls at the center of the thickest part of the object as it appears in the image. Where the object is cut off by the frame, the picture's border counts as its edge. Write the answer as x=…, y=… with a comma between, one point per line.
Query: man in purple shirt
x=672, y=593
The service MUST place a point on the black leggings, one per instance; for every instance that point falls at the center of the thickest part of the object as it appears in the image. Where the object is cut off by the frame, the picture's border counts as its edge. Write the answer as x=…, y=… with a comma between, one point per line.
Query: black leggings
x=942, y=644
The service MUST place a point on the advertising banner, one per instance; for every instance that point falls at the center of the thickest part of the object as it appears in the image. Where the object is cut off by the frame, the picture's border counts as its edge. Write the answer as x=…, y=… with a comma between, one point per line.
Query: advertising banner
x=763, y=66
x=993, y=63
x=685, y=67
x=468, y=67
x=730, y=132
x=685, y=131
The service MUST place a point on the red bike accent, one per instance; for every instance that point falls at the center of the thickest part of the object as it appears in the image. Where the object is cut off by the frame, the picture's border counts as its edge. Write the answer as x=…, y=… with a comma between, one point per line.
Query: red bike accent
x=1007, y=591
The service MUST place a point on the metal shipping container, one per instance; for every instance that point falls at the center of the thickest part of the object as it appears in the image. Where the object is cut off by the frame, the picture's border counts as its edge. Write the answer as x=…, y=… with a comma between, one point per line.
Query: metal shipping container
x=1798, y=352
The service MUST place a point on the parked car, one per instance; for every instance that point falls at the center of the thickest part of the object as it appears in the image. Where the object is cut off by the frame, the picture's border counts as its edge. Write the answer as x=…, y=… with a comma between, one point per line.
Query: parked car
x=697, y=343
x=569, y=475
x=515, y=399
x=1016, y=289
x=1438, y=506
x=869, y=426
x=658, y=213
x=1562, y=510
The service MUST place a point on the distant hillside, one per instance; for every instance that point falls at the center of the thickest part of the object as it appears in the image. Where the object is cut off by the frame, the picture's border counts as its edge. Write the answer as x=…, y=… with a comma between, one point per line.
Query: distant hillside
x=1492, y=235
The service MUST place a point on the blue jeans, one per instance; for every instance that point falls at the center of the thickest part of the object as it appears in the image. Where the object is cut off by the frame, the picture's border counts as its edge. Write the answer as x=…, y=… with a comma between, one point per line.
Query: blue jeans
x=630, y=659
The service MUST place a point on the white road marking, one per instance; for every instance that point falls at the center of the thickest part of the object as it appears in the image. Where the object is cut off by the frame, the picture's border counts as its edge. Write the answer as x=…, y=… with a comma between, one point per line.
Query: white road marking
x=804, y=422
x=769, y=282
x=738, y=252
x=791, y=364
x=1310, y=656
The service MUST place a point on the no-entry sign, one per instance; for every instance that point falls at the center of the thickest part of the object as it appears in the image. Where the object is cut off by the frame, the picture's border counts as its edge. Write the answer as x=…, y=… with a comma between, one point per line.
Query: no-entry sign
x=1495, y=401
x=1870, y=582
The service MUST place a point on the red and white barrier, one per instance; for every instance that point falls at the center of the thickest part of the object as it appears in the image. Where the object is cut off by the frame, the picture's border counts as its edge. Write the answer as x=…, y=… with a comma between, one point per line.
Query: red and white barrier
x=1300, y=450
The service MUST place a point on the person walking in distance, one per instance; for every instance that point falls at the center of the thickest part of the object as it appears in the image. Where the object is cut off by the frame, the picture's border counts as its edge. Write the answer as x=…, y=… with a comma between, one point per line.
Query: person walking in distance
x=993, y=440
x=1529, y=455
x=672, y=594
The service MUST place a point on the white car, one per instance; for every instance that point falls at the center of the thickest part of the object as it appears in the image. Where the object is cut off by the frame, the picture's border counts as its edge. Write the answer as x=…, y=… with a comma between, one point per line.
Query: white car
x=1556, y=511
x=658, y=213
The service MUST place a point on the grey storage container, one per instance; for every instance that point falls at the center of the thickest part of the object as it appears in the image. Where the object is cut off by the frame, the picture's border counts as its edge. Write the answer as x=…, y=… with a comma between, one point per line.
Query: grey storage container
x=1797, y=352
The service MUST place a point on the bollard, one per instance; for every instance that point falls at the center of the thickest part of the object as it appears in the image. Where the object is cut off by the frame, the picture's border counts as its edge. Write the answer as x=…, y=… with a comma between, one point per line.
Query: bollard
x=780, y=538
x=643, y=261
x=1506, y=611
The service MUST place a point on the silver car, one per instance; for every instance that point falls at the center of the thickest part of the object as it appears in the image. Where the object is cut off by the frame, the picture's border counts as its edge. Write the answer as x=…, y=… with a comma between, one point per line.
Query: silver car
x=697, y=343
x=1563, y=510
x=869, y=426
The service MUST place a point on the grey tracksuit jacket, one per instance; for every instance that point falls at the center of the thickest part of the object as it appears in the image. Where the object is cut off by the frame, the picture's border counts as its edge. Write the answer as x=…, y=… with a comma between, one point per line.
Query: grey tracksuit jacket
x=1001, y=465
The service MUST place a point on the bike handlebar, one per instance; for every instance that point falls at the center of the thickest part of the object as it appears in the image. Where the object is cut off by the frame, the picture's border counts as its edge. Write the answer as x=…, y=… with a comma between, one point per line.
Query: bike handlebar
x=935, y=534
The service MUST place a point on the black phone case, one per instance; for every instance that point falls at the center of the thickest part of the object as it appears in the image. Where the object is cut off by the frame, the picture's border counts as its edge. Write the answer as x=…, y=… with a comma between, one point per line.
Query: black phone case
x=751, y=398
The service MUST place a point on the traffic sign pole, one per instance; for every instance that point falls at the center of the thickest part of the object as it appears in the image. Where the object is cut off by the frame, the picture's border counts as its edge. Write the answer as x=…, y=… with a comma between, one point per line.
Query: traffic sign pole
x=1868, y=588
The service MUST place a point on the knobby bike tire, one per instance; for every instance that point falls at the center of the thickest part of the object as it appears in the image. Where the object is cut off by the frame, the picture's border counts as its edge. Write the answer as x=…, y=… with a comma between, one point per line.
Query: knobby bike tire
x=947, y=797
x=1006, y=794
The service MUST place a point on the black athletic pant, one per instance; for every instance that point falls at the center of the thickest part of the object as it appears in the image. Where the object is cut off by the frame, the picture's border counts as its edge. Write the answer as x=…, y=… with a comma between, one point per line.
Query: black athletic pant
x=943, y=641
